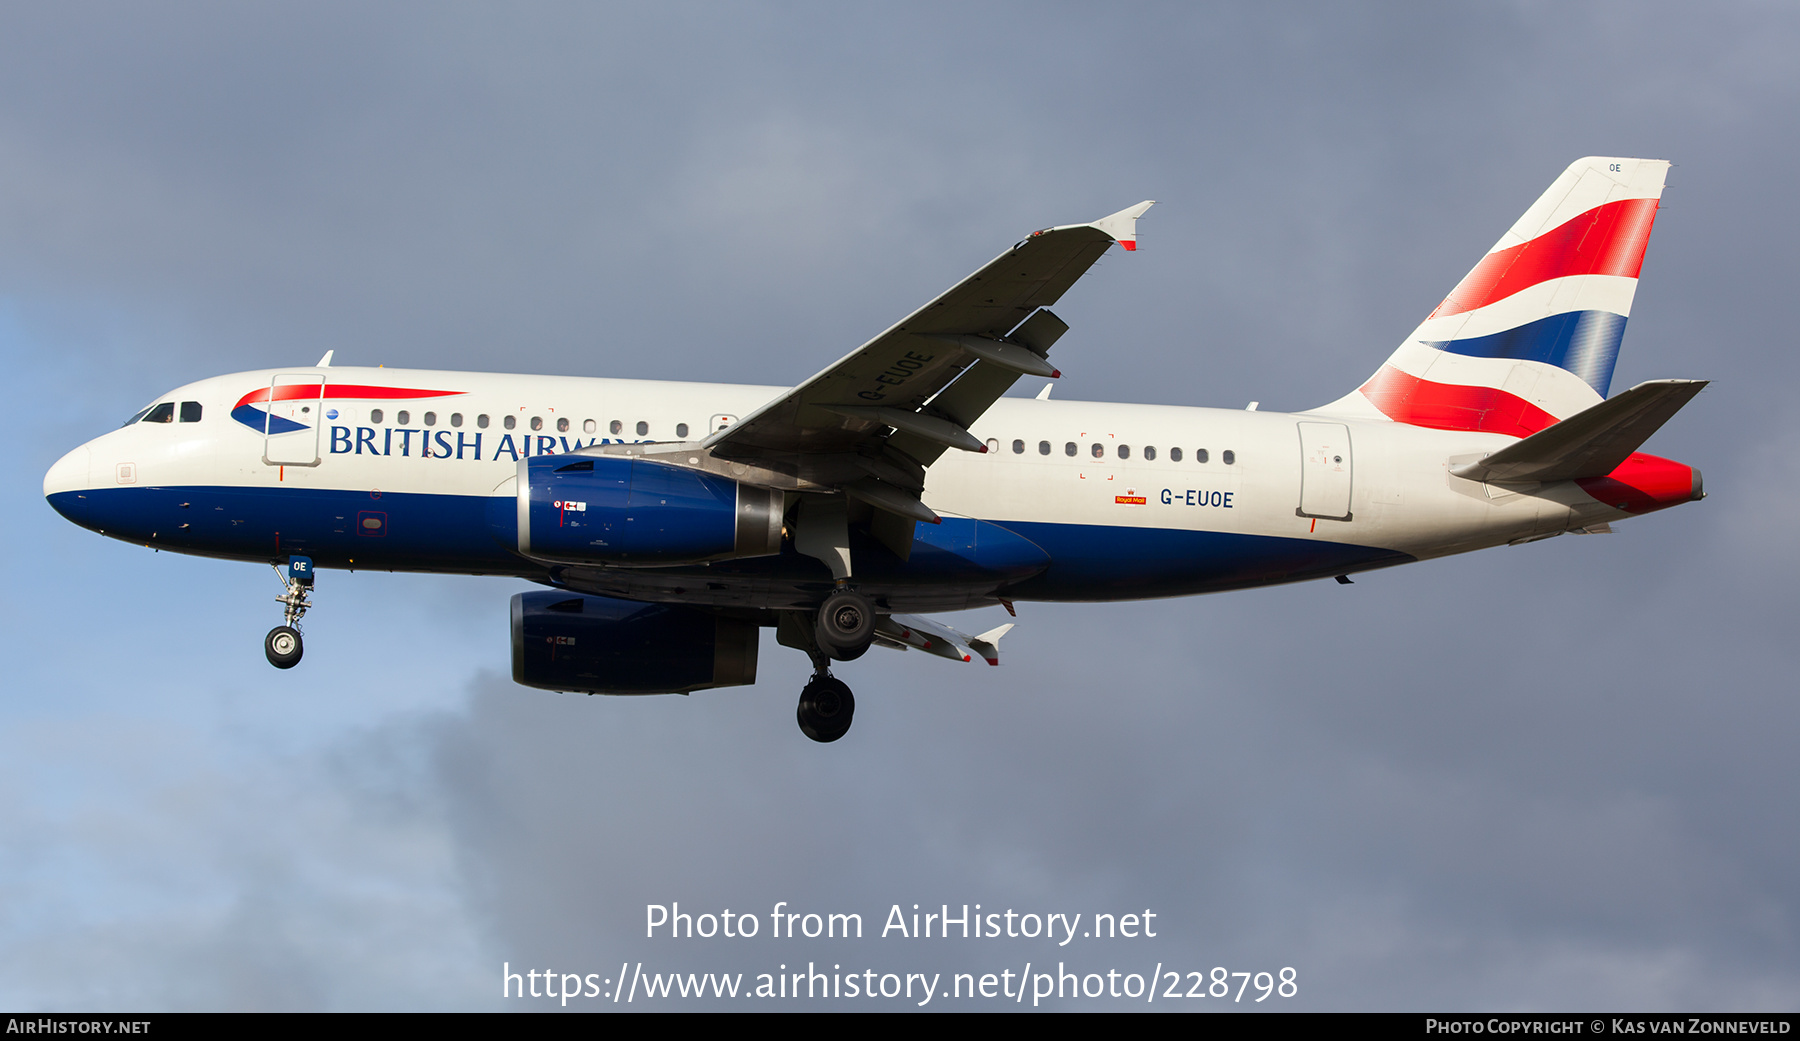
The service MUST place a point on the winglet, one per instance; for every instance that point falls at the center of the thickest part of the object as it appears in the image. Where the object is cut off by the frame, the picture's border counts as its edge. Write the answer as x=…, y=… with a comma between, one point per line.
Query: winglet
x=1122, y=226
x=988, y=644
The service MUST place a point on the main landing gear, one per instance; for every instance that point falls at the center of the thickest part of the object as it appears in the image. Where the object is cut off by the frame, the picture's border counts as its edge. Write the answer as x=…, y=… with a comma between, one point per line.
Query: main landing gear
x=842, y=631
x=826, y=707
x=283, y=646
x=846, y=625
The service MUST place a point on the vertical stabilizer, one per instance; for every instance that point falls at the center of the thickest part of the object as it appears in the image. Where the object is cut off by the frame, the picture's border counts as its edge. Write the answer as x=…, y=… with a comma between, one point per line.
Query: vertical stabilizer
x=1529, y=337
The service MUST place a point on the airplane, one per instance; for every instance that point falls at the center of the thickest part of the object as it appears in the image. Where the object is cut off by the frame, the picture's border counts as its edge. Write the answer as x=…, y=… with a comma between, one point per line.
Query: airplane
x=671, y=522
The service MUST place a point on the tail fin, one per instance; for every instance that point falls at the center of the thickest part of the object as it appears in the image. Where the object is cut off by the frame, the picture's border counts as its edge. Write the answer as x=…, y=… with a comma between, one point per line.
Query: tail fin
x=1529, y=337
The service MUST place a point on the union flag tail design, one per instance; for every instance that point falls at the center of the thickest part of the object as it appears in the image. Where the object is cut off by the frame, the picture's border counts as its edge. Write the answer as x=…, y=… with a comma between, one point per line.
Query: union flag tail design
x=1529, y=337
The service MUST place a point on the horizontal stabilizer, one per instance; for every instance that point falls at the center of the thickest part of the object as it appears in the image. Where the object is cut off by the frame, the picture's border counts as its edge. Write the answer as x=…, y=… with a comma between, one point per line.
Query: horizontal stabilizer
x=1590, y=443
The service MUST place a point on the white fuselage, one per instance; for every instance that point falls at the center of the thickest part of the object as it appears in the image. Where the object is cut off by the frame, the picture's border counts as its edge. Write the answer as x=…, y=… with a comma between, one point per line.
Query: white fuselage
x=1049, y=462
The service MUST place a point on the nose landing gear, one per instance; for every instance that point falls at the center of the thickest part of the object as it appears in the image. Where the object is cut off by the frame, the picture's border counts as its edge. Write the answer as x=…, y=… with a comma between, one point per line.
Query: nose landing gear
x=283, y=646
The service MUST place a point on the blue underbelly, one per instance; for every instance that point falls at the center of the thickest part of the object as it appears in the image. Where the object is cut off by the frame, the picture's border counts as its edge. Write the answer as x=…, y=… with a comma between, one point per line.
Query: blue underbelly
x=1099, y=562
x=338, y=529
x=453, y=533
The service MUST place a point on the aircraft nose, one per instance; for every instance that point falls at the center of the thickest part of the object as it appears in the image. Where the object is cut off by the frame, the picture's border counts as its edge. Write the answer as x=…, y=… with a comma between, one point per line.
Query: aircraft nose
x=68, y=474
x=65, y=482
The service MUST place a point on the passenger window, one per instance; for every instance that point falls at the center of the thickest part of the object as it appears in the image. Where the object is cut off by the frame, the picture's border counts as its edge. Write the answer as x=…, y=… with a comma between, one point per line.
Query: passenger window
x=537, y=422
x=588, y=426
x=1043, y=448
x=510, y=422
x=431, y=419
x=456, y=419
x=1149, y=452
x=993, y=445
x=404, y=417
x=616, y=426
x=1199, y=455
x=163, y=413
x=642, y=428
x=1124, y=451
x=482, y=421
x=374, y=415
x=190, y=412
x=562, y=426
x=1069, y=449
x=1099, y=450
x=681, y=431
x=1228, y=457
x=1174, y=455
x=1018, y=448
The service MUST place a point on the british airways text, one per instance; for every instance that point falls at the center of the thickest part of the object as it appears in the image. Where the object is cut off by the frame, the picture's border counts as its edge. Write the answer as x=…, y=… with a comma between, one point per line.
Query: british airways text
x=451, y=444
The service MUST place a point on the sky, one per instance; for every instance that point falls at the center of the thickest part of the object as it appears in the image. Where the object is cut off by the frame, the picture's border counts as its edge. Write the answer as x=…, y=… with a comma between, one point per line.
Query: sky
x=1550, y=777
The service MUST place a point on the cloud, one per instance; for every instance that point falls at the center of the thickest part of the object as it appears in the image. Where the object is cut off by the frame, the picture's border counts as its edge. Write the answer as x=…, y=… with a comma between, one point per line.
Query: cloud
x=1539, y=777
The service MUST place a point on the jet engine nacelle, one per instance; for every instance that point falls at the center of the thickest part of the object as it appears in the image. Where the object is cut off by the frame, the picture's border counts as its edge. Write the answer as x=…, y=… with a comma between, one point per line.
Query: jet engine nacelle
x=598, y=645
x=614, y=510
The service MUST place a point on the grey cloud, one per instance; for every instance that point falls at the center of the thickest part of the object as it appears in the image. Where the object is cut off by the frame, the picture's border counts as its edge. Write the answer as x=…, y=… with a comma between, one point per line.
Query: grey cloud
x=1551, y=776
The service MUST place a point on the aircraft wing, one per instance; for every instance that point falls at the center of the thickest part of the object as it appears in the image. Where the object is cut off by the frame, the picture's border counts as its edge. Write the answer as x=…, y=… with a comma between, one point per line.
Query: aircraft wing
x=870, y=423
x=904, y=631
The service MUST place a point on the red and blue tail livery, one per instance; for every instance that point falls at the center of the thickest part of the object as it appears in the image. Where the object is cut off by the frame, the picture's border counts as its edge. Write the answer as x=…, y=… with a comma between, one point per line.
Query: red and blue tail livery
x=668, y=524
x=1530, y=335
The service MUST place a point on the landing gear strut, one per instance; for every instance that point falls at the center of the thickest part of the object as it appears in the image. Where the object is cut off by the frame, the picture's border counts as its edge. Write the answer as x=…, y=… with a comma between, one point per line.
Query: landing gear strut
x=826, y=705
x=843, y=629
x=283, y=646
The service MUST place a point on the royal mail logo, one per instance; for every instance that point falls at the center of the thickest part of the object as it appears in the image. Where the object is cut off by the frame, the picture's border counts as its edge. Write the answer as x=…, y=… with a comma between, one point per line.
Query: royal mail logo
x=1129, y=500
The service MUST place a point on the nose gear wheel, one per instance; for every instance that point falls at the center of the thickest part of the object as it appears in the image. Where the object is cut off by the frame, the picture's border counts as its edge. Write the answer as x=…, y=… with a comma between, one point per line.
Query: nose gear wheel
x=283, y=647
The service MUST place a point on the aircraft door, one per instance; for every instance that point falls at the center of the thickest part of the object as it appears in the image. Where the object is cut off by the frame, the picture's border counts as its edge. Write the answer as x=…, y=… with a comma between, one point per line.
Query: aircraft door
x=1324, y=471
x=295, y=417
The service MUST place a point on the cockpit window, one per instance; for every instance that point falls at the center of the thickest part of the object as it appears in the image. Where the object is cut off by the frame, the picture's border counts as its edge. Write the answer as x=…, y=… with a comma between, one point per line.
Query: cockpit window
x=190, y=412
x=140, y=415
x=162, y=413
